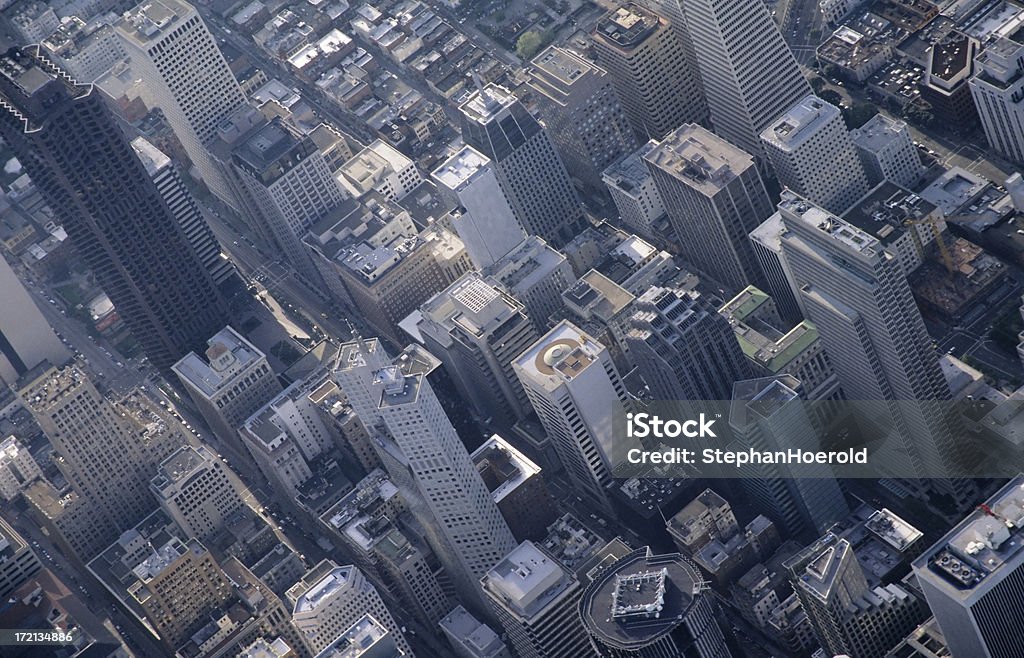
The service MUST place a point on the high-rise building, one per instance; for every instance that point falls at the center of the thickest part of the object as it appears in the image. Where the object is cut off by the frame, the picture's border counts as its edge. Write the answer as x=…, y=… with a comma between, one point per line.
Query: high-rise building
x=287, y=186
x=518, y=488
x=471, y=535
x=766, y=240
x=996, y=88
x=576, y=392
x=529, y=170
x=18, y=562
x=684, y=349
x=849, y=617
x=705, y=518
x=651, y=605
x=536, y=275
x=26, y=338
x=487, y=226
x=366, y=638
x=178, y=198
x=653, y=74
x=198, y=491
x=749, y=74
x=715, y=197
x=230, y=384
x=634, y=193
x=773, y=351
x=86, y=49
x=17, y=468
x=330, y=599
x=178, y=61
x=578, y=105
x=68, y=142
x=536, y=600
x=813, y=155
x=477, y=330
x=768, y=414
x=857, y=295
x=887, y=152
x=176, y=587
x=972, y=577
x=103, y=453
x=471, y=638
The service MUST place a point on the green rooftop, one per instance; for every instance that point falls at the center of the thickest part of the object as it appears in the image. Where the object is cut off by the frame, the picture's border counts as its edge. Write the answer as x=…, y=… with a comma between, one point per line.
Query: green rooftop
x=745, y=303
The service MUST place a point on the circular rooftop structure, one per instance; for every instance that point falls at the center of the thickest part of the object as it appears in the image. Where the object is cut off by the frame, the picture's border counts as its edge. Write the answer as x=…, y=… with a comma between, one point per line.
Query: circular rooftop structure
x=642, y=599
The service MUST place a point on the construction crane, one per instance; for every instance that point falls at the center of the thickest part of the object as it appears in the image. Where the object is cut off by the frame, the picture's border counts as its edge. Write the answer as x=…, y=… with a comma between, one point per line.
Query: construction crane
x=947, y=258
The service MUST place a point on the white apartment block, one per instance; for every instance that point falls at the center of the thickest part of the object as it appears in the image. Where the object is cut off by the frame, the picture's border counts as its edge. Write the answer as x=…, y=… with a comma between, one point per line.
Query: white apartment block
x=330, y=599
x=812, y=154
x=576, y=391
x=634, y=193
x=488, y=226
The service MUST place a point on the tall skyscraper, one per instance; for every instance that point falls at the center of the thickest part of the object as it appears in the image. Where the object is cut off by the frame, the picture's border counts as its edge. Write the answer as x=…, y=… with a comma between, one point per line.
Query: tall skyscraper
x=488, y=225
x=536, y=600
x=26, y=339
x=652, y=605
x=749, y=74
x=684, y=349
x=996, y=89
x=87, y=172
x=848, y=616
x=653, y=74
x=285, y=186
x=329, y=599
x=529, y=170
x=178, y=198
x=715, y=197
x=857, y=295
x=578, y=105
x=471, y=533
x=19, y=564
x=576, y=391
x=813, y=155
x=972, y=577
x=179, y=62
x=766, y=240
x=767, y=414
x=477, y=330
x=105, y=456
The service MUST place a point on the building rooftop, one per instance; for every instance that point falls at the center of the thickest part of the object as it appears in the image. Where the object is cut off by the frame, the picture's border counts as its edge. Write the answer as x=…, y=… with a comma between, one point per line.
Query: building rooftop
x=527, y=580
x=893, y=530
x=526, y=265
x=462, y=168
x=627, y=27
x=698, y=157
x=367, y=638
x=488, y=103
x=229, y=354
x=365, y=170
x=980, y=547
x=640, y=598
x=183, y=464
x=562, y=354
x=323, y=589
x=880, y=131
x=272, y=151
x=471, y=632
x=800, y=123
x=596, y=296
x=630, y=173
x=503, y=467
x=839, y=230
x=153, y=159
x=557, y=70
x=150, y=20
